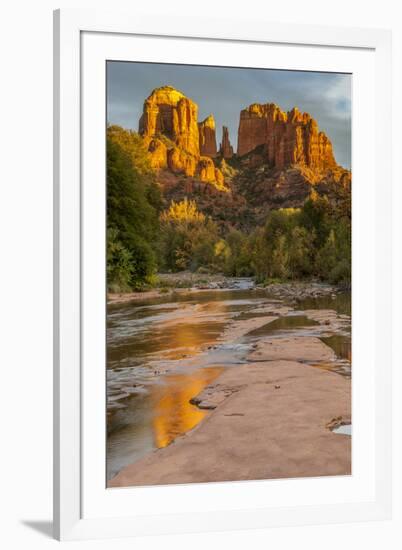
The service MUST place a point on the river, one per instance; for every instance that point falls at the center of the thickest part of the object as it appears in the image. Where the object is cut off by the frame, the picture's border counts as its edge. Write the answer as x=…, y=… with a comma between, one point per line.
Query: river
x=161, y=352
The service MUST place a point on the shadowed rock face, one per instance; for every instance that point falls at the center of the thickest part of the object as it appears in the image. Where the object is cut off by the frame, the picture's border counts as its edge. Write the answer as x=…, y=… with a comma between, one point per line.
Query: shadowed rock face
x=226, y=149
x=287, y=139
x=207, y=137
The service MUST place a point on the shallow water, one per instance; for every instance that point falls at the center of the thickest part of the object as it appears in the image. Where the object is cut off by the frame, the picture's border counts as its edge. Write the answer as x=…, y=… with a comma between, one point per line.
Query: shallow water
x=284, y=326
x=162, y=352
x=153, y=419
x=341, y=303
x=341, y=344
x=345, y=429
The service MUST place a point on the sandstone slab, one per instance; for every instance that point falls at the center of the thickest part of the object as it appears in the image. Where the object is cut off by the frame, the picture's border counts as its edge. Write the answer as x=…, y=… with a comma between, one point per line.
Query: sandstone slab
x=296, y=348
x=270, y=421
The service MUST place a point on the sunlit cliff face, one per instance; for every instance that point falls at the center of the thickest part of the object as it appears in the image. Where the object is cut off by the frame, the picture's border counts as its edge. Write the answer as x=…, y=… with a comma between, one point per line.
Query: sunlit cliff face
x=174, y=137
x=289, y=138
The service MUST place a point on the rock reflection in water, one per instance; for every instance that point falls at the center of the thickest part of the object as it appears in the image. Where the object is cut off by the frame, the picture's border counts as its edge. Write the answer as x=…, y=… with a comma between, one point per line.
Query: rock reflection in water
x=173, y=414
x=154, y=419
x=138, y=333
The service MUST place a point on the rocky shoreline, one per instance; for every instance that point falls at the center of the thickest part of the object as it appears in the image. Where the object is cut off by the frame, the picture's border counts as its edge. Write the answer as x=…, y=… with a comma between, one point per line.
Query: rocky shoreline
x=301, y=290
x=187, y=281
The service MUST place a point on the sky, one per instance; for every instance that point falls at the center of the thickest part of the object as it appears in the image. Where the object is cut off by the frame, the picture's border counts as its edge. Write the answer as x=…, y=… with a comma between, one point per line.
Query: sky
x=224, y=91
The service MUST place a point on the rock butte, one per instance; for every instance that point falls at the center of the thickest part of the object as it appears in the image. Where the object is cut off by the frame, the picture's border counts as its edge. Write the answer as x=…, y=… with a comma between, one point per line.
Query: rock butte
x=287, y=139
x=169, y=126
x=170, y=113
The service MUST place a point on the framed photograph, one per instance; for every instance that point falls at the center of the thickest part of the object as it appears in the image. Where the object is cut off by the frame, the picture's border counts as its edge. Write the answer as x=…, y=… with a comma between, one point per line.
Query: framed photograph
x=222, y=244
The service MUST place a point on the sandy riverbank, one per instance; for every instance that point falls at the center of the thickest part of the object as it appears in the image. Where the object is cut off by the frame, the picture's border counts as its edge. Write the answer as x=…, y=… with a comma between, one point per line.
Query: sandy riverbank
x=271, y=418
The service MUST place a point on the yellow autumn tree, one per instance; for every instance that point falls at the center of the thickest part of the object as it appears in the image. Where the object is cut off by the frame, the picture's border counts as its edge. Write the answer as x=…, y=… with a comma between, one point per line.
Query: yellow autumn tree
x=189, y=238
x=184, y=213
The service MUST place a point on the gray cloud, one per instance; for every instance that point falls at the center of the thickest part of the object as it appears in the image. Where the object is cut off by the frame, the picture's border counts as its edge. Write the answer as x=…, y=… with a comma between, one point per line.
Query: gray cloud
x=224, y=91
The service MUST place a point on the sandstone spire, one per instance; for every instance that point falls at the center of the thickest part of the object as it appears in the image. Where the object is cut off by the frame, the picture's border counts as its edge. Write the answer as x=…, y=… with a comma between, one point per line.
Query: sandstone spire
x=226, y=149
x=286, y=138
x=207, y=137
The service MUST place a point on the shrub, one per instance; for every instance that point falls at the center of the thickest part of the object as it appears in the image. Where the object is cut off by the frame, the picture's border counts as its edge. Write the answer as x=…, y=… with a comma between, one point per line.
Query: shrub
x=190, y=239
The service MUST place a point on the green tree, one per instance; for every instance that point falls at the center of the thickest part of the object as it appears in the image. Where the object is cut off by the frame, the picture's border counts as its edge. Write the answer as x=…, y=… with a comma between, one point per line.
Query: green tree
x=238, y=260
x=300, y=252
x=190, y=239
x=119, y=263
x=258, y=254
x=132, y=221
x=333, y=260
x=327, y=256
x=279, y=261
x=278, y=235
x=133, y=145
x=314, y=216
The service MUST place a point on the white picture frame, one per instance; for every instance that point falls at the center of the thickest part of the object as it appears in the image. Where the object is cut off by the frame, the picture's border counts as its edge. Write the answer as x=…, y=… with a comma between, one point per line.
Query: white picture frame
x=83, y=507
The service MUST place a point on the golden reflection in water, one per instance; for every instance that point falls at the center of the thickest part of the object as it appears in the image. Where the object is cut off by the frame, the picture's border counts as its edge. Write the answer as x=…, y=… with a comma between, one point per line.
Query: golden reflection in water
x=185, y=337
x=173, y=412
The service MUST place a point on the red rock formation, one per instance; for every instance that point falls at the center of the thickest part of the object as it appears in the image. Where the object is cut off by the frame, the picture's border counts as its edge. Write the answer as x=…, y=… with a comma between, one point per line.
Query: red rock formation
x=172, y=134
x=207, y=137
x=226, y=149
x=256, y=124
x=158, y=155
x=206, y=169
x=287, y=139
x=170, y=113
x=179, y=161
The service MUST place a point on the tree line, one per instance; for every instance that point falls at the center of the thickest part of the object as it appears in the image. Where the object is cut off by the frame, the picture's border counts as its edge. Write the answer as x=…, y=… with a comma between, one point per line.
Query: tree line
x=145, y=236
